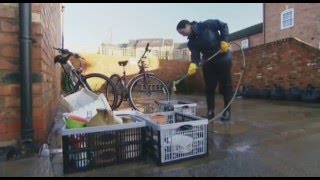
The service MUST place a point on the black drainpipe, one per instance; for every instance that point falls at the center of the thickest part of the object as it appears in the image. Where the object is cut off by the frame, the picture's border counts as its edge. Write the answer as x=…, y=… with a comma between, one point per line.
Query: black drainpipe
x=264, y=23
x=25, y=33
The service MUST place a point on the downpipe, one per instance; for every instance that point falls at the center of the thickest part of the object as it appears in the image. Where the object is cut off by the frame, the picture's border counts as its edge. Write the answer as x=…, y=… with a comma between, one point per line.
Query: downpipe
x=25, y=50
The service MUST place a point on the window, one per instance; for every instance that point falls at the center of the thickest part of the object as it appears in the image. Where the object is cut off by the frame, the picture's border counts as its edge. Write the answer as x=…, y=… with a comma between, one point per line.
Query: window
x=287, y=18
x=245, y=44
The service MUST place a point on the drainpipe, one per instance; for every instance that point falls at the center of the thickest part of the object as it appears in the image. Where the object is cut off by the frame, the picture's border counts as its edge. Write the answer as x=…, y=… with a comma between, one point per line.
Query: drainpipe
x=264, y=23
x=25, y=10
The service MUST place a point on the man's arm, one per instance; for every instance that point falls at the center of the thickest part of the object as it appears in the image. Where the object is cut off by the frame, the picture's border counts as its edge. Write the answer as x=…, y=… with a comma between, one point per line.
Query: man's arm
x=215, y=24
x=195, y=54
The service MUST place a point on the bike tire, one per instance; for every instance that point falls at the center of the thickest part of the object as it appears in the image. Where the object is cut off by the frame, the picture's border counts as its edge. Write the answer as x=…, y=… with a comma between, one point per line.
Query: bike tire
x=116, y=79
x=140, y=100
x=99, y=83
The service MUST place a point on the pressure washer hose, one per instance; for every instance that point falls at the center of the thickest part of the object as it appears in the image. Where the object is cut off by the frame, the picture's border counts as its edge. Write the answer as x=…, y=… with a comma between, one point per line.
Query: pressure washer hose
x=238, y=85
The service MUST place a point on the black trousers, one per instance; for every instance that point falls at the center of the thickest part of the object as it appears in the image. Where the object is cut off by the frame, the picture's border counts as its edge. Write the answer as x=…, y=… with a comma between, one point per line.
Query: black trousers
x=218, y=70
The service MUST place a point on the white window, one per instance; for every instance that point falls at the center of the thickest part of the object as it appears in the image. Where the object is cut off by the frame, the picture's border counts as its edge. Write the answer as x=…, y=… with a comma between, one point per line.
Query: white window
x=245, y=44
x=287, y=18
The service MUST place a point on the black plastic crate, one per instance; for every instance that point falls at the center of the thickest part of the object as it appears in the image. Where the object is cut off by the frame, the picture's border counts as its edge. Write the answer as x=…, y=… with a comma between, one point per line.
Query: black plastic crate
x=93, y=147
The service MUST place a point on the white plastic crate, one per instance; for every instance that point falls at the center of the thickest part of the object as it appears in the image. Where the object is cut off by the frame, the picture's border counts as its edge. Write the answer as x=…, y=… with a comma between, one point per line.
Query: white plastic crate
x=183, y=136
x=184, y=107
x=84, y=101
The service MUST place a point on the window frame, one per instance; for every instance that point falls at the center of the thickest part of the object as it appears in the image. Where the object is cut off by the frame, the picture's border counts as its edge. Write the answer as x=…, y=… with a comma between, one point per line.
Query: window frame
x=242, y=43
x=282, y=18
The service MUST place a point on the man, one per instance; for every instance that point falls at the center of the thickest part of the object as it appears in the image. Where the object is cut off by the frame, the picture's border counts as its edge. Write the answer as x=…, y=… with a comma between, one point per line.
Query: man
x=207, y=38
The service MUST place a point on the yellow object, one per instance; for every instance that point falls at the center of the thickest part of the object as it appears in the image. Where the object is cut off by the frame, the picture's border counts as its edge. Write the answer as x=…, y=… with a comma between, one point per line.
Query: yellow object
x=192, y=69
x=103, y=117
x=224, y=46
x=127, y=119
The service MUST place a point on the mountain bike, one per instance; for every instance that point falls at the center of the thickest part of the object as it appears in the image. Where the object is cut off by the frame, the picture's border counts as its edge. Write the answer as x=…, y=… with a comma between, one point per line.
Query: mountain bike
x=76, y=80
x=142, y=90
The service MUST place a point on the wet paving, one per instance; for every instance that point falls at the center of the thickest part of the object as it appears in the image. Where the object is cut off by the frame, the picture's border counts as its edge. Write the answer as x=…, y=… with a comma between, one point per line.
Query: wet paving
x=264, y=139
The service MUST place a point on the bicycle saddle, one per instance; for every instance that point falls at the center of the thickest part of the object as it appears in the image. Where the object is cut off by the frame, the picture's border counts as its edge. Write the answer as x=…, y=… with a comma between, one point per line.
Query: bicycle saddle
x=123, y=63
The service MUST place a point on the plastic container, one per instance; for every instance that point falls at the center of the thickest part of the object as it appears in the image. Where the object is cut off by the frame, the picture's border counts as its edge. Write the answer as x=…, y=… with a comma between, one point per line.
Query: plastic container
x=75, y=122
x=182, y=137
x=93, y=147
x=185, y=107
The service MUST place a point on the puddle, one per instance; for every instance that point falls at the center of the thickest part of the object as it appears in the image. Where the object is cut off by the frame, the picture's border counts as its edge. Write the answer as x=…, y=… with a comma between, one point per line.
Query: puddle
x=241, y=148
x=229, y=128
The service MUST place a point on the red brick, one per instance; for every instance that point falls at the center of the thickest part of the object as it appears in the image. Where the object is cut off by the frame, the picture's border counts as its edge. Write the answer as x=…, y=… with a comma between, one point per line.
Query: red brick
x=10, y=51
x=37, y=99
x=37, y=111
x=36, y=28
x=36, y=53
x=36, y=65
x=38, y=41
x=13, y=127
x=10, y=89
x=12, y=101
x=40, y=135
x=37, y=88
x=9, y=38
x=3, y=127
x=7, y=26
x=6, y=65
x=36, y=7
x=38, y=123
x=7, y=12
x=10, y=114
x=11, y=136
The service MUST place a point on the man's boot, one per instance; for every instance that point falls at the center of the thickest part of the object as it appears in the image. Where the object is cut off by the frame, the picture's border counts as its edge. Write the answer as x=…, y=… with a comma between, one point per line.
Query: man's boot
x=209, y=115
x=226, y=116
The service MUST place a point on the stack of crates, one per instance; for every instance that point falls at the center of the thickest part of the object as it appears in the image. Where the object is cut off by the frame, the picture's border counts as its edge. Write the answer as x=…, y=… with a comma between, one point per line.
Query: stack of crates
x=93, y=147
x=185, y=107
x=176, y=137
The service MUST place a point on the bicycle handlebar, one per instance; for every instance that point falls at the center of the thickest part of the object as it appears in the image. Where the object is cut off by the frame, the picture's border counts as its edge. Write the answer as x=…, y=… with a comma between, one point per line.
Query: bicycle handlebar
x=67, y=52
x=145, y=51
x=147, y=47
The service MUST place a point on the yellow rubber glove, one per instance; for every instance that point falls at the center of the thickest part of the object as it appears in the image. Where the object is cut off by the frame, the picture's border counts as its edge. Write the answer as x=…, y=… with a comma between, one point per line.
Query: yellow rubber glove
x=192, y=69
x=224, y=46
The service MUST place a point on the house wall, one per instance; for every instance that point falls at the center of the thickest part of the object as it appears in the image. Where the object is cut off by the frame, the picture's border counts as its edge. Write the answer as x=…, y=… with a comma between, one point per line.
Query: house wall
x=46, y=30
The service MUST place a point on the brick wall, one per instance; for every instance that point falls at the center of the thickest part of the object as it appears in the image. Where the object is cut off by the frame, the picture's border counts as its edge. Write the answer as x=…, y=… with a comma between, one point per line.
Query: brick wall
x=9, y=102
x=45, y=75
x=306, y=22
x=287, y=62
x=49, y=88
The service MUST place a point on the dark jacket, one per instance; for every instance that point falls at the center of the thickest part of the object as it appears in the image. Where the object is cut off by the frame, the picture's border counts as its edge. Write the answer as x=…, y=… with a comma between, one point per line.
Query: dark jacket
x=206, y=38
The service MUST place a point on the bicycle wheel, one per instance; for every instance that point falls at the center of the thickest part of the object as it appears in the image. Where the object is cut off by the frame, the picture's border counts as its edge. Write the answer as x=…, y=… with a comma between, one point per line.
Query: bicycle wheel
x=116, y=79
x=99, y=83
x=144, y=92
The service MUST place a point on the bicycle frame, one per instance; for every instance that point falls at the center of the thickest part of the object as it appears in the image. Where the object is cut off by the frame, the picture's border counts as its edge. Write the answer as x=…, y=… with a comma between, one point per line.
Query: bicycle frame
x=142, y=70
x=142, y=77
x=74, y=72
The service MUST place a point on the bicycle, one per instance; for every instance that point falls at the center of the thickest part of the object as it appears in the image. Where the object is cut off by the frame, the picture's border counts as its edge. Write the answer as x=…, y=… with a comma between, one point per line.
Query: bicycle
x=143, y=89
x=76, y=80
